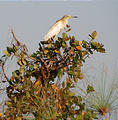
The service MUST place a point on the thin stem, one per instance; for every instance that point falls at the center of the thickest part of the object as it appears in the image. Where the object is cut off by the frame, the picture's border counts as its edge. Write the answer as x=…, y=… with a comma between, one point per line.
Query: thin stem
x=105, y=116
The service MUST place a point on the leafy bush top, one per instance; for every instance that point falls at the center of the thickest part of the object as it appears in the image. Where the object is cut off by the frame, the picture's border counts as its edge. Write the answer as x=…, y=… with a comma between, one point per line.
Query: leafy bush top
x=37, y=88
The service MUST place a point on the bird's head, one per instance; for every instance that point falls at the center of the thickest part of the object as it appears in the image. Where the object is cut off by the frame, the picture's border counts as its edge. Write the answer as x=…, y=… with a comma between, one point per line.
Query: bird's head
x=68, y=17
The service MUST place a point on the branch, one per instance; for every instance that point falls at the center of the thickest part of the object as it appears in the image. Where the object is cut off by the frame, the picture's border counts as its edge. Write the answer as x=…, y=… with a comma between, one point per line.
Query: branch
x=2, y=67
x=18, y=43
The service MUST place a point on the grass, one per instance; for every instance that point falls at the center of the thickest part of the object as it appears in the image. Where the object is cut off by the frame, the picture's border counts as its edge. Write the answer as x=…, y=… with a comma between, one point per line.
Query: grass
x=104, y=100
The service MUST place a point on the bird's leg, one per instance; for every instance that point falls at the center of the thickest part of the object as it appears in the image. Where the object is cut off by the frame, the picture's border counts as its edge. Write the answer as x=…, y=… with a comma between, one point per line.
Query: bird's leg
x=69, y=28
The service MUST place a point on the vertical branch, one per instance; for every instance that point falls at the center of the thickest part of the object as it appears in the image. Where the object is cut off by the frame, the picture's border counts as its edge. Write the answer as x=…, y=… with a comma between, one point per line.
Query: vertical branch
x=17, y=42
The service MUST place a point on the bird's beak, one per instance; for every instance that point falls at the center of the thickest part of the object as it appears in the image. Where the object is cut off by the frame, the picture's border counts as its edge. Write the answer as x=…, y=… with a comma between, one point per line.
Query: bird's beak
x=74, y=17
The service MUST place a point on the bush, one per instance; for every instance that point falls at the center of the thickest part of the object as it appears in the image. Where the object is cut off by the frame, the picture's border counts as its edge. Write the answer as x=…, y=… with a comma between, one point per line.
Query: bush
x=40, y=88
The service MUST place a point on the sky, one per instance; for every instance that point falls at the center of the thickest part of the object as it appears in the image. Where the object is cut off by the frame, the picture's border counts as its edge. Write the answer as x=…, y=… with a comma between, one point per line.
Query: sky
x=31, y=21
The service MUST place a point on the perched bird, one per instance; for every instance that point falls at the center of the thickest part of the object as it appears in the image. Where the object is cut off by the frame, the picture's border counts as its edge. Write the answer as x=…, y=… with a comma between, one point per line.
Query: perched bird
x=58, y=26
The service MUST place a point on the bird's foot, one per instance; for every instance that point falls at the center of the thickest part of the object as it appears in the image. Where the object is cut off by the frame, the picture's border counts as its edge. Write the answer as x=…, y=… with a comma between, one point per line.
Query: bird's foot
x=68, y=26
x=68, y=30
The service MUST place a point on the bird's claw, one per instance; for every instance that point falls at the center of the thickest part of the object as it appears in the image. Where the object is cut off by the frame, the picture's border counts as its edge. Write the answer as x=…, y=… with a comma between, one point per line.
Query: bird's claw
x=68, y=26
x=68, y=30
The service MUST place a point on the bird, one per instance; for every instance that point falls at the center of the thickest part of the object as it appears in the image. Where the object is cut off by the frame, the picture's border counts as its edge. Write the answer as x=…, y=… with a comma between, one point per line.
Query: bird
x=57, y=27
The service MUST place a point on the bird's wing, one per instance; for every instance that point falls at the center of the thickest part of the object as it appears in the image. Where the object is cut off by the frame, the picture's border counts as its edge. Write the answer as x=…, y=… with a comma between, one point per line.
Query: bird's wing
x=54, y=30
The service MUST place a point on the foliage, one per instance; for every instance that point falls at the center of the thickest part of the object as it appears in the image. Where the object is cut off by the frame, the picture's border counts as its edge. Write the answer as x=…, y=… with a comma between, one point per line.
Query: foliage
x=37, y=88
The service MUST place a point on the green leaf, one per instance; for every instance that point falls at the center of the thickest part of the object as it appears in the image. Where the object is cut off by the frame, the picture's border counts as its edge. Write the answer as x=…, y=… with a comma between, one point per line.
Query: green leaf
x=94, y=116
x=64, y=35
x=34, y=55
x=22, y=61
x=93, y=35
x=7, y=53
x=63, y=84
x=10, y=50
x=63, y=43
x=36, y=66
x=58, y=43
x=73, y=38
x=8, y=103
x=90, y=89
x=72, y=42
x=18, y=118
x=27, y=94
x=102, y=50
x=84, y=53
x=16, y=73
x=15, y=48
x=75, y=79
x=15, y=99
x=71, y=93
x=21, y=69
x=60, y=73
x=44, y=42
x=96, y=45
x=85, y=44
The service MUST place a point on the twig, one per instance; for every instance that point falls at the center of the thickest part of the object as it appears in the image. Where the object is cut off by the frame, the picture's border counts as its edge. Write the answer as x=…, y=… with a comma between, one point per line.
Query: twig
x=18, y=43
x=4, y=72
